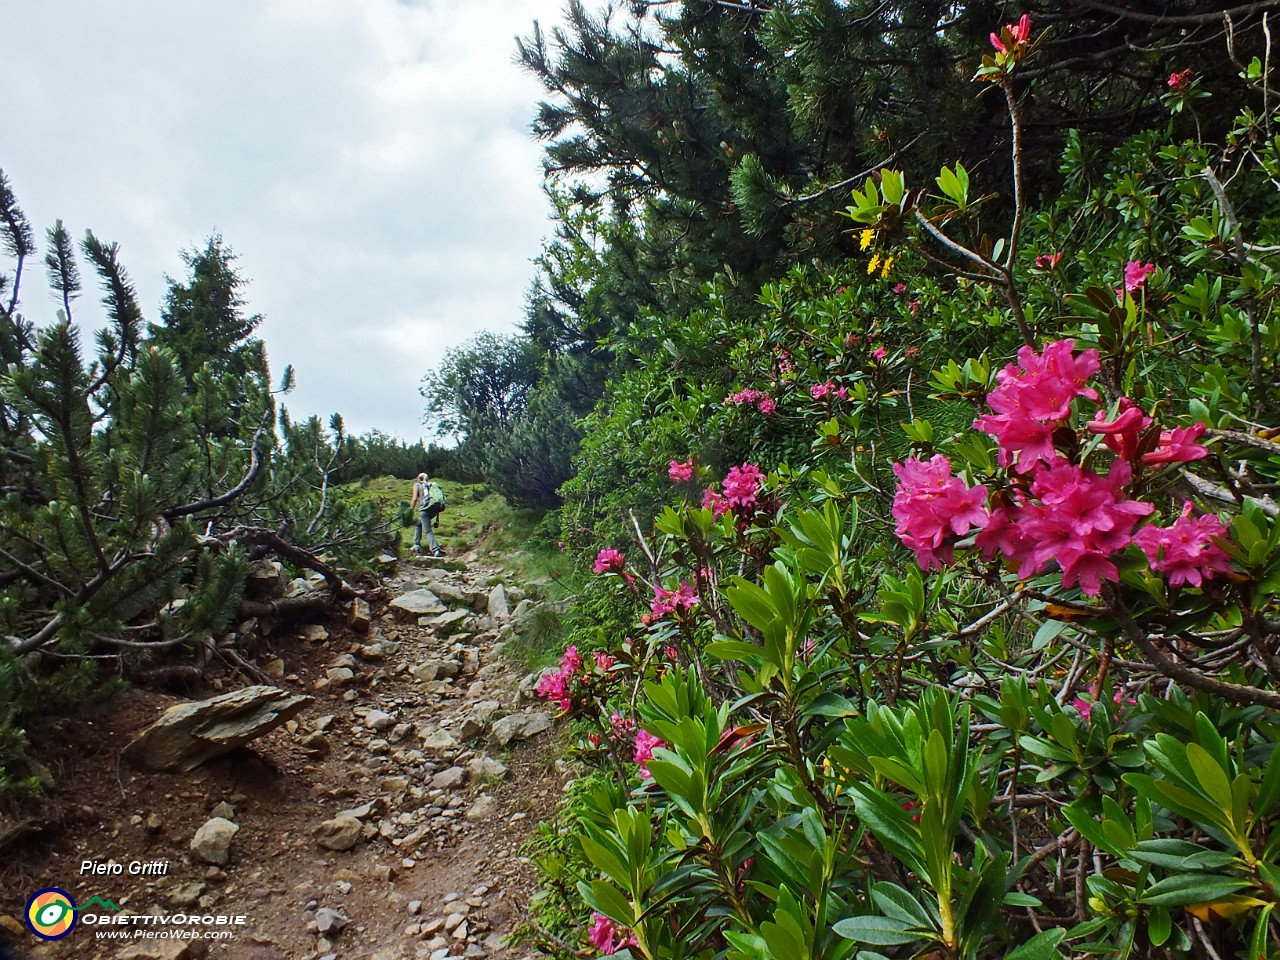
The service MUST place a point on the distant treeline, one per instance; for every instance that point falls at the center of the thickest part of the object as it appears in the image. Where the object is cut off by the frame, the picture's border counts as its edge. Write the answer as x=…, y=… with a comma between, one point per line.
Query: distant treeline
x=375, y=454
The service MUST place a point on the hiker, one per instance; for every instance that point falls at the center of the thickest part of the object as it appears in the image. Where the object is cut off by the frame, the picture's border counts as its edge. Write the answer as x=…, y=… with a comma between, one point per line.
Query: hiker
x=428, y=500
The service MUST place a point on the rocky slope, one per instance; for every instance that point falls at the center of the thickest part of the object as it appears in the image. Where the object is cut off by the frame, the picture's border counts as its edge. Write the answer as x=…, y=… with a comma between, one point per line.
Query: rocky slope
x=385, y=820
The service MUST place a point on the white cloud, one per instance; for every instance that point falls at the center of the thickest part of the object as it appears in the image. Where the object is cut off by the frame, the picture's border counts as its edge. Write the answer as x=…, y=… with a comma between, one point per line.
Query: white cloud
x=369, y=162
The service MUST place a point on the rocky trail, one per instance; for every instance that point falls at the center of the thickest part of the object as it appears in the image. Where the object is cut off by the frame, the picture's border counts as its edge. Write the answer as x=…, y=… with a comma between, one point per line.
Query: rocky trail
x=385, y=819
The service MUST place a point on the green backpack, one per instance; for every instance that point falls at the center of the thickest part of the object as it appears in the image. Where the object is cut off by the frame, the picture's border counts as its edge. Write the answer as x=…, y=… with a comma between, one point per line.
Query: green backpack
x=434, y=501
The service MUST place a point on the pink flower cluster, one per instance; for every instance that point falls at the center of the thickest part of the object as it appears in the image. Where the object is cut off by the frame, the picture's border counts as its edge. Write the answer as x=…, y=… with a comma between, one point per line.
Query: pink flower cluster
x=1185, y=551
x=1067, y=514
x=1080, y=521
x=763, y=402
x=646, y=743
x=1034, y=399
x=609, y=560
x=935, y=509
x=557, y=687
x=669, y=601
x=1085, y=707
x=1048, y=261
x=741, y=484
x=1013, y=35
x=741, y=487
x=680, y=471
x=608, y=937
x=820, y=390
x=1179, y=79
x=713, y=501
x=1135, y=277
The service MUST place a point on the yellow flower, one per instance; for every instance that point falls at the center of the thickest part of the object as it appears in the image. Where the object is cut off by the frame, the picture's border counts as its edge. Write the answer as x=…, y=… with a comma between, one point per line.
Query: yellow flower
x=875, y=262
x=865, y=240
x=884, y=271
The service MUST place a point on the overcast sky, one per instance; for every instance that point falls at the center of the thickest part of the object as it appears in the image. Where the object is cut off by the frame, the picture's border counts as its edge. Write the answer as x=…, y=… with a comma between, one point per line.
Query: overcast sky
x=369, y=162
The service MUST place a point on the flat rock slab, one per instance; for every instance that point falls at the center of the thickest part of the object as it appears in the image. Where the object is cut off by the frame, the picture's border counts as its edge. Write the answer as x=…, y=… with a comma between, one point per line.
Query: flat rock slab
x=418, y=603
x=520, y=726
x=188, y=734
x=450, y=623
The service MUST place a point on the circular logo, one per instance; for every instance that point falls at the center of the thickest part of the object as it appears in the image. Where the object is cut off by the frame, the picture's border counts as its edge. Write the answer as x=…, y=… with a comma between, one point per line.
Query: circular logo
x=51, y=913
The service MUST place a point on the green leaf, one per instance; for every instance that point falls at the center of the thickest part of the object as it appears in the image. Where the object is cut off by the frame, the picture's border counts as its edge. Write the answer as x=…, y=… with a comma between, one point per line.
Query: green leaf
x=1159, y=926
x=1043, y=946
x=1178, y=891
x=607, y=899
x=732, y=650
x=898, y=904
x=881, y=931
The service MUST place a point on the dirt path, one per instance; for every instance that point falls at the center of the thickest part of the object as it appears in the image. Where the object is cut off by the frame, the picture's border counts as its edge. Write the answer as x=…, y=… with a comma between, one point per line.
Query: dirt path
x=401, y=737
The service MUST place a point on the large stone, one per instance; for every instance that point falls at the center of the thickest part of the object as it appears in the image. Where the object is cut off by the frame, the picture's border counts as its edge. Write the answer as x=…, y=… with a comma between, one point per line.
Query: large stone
x=361, y=615
x=212, y=842
x=434, y=669
x=477, y=718
x=449, y=592
x=520, y=616
x=497, y=605
x=265, y=579
x=435, y=740
x=418, y=603
x=520, y=726
x=449, y=779
x=484, y=807
x=450, y=623
x=340, y=833
x=329, y=920
x=188, y=734
x=485, y=767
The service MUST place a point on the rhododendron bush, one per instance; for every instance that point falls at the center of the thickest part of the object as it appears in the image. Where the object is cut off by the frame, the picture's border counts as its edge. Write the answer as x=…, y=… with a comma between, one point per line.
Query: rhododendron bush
x=942, y=619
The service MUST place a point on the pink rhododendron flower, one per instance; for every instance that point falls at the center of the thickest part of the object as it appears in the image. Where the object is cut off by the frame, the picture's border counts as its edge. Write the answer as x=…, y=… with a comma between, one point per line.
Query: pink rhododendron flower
x=913, y=306
x=1135, y=276
x=646, y=743
x=741, y=484
x=1184, y=551
x=1177, y=446
x=622, y=726
x=669, y=601
x=820, y=390
x=554, y=687
x=1121, y=435
x=608, y=560
x=713, y=501
x=672, y=653
x=557, y=687
x=1048, y=261
x=935, y=509
x=1179, y=79
x=1085, y=707
x=879, y=353
x=1019, y=32
x=680, y=471
x=900, y=288
x=1034, y=398
x=604, y=661
x=1080, y=522
x=608, y=937
x=763, y=402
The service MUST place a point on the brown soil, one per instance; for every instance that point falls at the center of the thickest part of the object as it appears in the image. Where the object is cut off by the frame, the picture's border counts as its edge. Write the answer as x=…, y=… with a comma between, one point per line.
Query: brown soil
x=102, y=810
